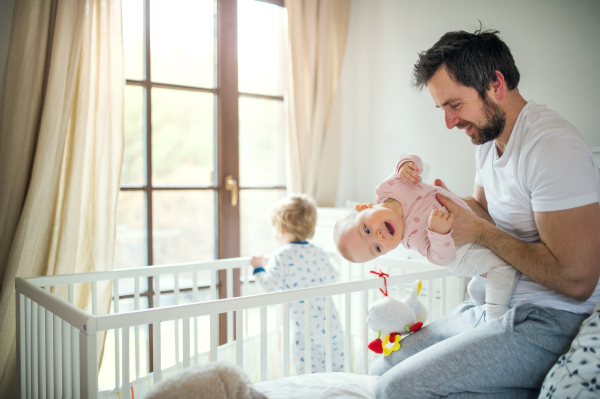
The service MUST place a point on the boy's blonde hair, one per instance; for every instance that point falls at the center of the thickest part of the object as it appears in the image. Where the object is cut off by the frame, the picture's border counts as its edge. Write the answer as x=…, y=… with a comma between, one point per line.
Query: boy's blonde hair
x=295, y=215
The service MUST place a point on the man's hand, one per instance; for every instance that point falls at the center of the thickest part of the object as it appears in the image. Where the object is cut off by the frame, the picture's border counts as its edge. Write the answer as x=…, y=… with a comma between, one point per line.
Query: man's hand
x=467, y=226
x=439, y=183
x=408, y=173
x=258, y=261
x=440, y=221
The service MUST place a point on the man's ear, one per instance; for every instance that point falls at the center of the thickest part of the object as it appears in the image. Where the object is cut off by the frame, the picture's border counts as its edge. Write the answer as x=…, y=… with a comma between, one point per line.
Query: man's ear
x=498, y=87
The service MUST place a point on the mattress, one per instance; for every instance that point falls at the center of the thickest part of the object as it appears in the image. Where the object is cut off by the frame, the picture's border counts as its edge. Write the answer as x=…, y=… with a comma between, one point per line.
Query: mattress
x=320, y=386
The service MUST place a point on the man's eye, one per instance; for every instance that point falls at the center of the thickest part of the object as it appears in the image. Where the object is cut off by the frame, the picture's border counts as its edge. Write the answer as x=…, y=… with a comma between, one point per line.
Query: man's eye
x=367, y=230
x=454, y=106
x=377, y=248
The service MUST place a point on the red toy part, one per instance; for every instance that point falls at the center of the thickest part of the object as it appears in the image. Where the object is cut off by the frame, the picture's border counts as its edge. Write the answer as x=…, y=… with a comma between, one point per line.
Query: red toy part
x=376, y=345
x=416, y=326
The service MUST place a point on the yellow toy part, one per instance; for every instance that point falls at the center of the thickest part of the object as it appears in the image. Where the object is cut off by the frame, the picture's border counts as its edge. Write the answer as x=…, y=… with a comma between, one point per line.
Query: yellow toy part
x=391, y=346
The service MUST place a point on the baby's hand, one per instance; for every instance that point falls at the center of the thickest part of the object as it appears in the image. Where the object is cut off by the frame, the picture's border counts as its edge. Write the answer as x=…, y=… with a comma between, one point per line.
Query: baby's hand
x=408, y=173
x=258, y=261
x=440, y=221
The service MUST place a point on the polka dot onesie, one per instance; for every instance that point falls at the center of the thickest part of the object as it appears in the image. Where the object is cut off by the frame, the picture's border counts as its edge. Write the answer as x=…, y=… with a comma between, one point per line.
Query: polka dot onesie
x=300, y=265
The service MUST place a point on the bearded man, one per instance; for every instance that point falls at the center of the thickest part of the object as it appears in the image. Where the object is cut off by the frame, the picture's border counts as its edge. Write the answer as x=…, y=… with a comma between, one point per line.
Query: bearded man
x=535, y=204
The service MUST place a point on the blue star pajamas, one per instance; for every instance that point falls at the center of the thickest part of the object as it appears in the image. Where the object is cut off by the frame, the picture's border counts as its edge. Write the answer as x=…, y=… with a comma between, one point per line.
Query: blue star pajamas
x=300, y=265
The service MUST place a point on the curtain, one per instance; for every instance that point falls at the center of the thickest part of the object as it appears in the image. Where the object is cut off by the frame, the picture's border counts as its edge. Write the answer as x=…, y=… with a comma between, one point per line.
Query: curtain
x=317, y=32
x=61, y=149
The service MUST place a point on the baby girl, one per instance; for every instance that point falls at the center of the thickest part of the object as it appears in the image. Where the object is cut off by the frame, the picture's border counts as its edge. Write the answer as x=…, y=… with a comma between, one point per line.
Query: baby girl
x=408, y=212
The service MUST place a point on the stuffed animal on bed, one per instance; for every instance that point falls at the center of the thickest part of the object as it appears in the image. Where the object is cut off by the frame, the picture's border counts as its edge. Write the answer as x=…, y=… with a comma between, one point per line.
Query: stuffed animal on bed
x=214, y=380
x=393, y=319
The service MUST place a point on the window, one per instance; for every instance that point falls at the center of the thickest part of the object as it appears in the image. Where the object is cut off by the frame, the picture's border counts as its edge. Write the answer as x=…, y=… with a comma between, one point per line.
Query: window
x=203, y=101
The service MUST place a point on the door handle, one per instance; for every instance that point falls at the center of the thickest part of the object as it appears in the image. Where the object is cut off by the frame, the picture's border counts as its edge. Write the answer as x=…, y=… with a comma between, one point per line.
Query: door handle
x=231, y=185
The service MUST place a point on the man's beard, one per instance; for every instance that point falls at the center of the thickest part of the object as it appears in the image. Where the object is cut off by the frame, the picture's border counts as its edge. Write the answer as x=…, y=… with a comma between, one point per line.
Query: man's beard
x=495, y=121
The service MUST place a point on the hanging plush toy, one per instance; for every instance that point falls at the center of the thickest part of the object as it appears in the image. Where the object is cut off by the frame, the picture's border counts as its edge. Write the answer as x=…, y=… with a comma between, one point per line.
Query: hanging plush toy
x=392, y=319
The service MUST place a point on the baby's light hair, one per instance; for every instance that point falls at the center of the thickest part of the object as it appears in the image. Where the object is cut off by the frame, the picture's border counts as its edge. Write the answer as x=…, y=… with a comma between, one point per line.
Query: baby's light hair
x=295, y=215
x=339, y=232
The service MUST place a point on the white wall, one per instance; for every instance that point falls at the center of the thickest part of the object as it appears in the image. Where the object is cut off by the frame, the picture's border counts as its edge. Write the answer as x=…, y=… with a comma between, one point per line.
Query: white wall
x=6, y=11
x=555, y=45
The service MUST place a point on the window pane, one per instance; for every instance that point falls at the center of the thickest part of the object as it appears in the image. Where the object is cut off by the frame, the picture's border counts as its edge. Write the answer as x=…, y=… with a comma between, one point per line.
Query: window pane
x=130, y=242
x=256, y=230
x=182, y=138
x=183, y=226
x=182, y=42
x=260, y=52
x=261, y=142
x=132, y=173
x=133, y=38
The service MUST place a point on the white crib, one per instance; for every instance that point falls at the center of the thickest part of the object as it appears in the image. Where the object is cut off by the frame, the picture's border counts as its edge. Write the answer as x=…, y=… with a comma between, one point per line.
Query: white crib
x=57, y=343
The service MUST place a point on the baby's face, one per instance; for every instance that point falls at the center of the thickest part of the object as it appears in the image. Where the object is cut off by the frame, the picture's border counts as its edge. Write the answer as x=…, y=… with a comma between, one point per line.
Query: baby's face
x=369, y=233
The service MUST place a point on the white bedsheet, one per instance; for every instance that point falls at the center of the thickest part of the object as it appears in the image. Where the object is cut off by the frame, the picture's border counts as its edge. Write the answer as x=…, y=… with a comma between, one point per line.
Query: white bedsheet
x=320, y=386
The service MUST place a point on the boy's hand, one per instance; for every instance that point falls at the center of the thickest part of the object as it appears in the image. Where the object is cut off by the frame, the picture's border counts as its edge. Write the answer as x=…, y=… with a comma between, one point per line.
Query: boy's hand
x=258, y=261
x=440, y=221
x=408, y=173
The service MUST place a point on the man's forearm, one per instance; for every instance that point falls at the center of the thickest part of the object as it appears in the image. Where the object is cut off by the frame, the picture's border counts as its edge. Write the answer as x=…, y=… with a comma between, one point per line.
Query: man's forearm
x=535, y=260
x=478, y=210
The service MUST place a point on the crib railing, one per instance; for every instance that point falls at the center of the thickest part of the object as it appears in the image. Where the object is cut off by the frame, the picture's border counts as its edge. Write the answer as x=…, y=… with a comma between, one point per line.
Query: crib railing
x=57, y=342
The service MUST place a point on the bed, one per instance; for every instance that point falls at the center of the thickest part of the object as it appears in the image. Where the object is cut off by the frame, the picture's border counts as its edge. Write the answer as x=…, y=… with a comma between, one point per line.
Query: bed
x=57, y=343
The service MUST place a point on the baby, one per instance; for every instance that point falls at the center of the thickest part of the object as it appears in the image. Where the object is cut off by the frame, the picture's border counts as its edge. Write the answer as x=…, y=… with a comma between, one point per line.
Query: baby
x=300, y=264
x=408, y=212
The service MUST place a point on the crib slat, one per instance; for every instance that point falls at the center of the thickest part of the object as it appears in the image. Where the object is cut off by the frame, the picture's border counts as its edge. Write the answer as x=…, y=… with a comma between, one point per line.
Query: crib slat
x=263, y=343
x=57, y=356
x=49, y=357
x=229, y=314
x=156, y=366
x=195, y=299
x=136, y=306
x=186, y=343
x=329, y=335
x=66, y=360
x=28, y=345
x=176, y=322
x=126, y=392
x=443, y=296
x=213, y=285
x=430, y=300
x=20, y=323
x=239, y=337
x=157, y=291
x=214, y=336
x=307, y=337
x=117, y=332
x=365, y=331
x=75, y=373
x=34, y=350
x=88, y=352
x=348, y=332
x=286, y=339
x=42, y=352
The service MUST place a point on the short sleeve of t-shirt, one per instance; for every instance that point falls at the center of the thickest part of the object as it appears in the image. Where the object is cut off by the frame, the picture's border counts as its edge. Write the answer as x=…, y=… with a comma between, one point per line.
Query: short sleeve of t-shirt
x=561, y=174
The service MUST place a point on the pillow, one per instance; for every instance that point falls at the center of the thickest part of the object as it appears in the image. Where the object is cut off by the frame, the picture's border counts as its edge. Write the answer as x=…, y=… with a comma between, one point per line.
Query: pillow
x=576, y=374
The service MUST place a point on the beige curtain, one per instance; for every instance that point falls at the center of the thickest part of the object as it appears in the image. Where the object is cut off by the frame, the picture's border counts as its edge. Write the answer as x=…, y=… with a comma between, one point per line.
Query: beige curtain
x=61, y=149
x=317, y=31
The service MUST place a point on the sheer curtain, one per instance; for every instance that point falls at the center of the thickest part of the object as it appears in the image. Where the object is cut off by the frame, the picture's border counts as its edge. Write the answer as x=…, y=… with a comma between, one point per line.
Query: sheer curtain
x=317, y=31
x=61, y=149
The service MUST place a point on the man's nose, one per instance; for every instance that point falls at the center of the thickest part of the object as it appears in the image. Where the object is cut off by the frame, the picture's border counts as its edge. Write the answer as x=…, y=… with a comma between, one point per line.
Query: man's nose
x=451, y=119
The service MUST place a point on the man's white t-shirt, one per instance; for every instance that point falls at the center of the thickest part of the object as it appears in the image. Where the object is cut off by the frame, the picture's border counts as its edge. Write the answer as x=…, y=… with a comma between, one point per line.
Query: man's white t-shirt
x=545, y=167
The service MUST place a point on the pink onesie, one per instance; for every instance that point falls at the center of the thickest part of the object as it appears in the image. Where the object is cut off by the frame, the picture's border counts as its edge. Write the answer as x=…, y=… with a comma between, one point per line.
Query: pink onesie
x=418, y=201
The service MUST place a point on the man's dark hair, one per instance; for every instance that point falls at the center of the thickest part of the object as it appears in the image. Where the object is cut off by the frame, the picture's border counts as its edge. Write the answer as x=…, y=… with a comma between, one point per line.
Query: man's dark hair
x=471, y=60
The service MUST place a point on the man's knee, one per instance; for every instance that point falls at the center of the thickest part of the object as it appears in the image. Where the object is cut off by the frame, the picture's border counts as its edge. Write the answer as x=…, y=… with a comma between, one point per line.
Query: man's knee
x=395, y=385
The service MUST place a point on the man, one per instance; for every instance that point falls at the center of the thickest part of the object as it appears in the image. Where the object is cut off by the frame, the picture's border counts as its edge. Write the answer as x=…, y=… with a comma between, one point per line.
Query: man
x=535, y=204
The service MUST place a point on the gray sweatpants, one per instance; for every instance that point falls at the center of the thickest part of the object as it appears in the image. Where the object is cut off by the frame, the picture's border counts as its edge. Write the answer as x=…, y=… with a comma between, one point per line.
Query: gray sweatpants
x=464, y=356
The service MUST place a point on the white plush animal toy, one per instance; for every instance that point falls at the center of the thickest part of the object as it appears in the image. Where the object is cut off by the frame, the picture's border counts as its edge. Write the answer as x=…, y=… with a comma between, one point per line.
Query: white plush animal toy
x=392, y=319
